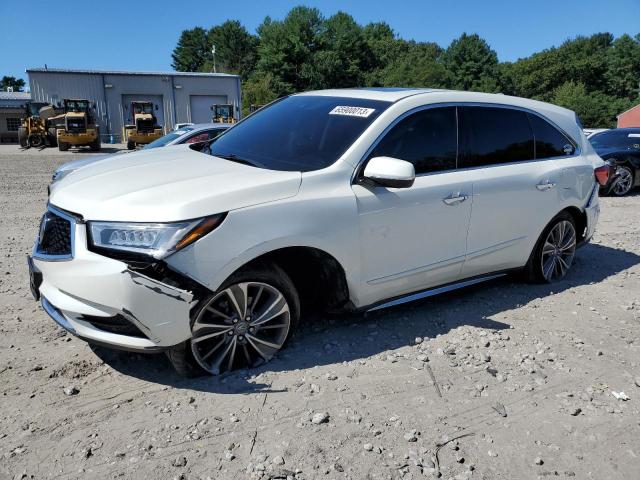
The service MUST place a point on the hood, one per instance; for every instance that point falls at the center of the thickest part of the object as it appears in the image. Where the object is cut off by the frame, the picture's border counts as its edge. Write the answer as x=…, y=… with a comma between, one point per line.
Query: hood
x=76, y=164
x=168, y=184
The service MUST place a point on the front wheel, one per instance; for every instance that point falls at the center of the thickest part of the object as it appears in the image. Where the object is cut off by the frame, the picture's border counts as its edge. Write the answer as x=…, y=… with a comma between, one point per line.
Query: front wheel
x=553, y=254
x=131, y=145
x=63, y=146
x=246, y=323
x=623, y=182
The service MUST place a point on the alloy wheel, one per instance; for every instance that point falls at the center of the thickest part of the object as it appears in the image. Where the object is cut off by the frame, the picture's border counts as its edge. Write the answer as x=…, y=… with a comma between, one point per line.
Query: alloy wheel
x=244, y=325
x=558, y=250
x=623, y=182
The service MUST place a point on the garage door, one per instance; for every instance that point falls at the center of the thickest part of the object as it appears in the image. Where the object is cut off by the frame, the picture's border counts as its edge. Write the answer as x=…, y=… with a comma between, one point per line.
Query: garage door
x=127, y=115
x=201, y=107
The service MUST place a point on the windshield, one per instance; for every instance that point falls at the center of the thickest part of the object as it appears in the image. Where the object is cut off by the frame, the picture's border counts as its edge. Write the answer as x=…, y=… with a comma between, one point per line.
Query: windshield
x=298, y=133
x=78, y=106
x=169, y=137
x=618, y=139
x=142, y=108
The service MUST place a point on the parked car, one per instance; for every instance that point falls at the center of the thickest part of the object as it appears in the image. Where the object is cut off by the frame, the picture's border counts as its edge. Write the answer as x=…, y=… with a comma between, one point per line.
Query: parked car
x=589, y=132
x=620, y=148
x=188, y=134
x=356, y=199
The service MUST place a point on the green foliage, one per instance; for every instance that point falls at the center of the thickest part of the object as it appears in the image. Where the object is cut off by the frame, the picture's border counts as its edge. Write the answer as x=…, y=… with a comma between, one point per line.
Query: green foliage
x=236, y=49
x=471, y=65
x=595, y=109
x=596, y=76
x=192, y=51
x=16, y=83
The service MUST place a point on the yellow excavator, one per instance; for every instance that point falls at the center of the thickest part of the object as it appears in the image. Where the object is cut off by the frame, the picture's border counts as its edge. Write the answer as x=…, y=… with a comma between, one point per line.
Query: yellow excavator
x=223, y=113
x=36, y=130
x=76, y=126
x=144, y=128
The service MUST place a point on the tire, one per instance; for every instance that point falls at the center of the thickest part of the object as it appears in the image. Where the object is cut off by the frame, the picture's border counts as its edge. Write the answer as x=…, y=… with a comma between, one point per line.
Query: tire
x=36, y=140
x=624, y=183
x=63, y=146
x=555, y=248
x=131, y=145
x=221, y=341
x=53, y=139
x=95, y=145
x=23, y=136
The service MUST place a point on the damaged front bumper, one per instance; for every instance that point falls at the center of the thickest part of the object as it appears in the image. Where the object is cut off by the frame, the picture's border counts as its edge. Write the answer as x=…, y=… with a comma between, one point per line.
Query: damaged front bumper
x=103, y=301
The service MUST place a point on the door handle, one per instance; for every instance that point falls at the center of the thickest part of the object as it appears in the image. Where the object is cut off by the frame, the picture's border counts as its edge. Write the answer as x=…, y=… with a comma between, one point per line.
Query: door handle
x=546, y=185
x=455, y=198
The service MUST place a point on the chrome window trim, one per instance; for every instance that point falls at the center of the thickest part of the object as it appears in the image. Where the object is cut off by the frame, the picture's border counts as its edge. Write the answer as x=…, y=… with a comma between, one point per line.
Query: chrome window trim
x=362, y=162
x=73, y=221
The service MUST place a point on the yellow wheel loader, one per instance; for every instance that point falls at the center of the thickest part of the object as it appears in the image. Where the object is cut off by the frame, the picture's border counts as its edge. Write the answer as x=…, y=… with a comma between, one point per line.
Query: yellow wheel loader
x=76, y=126
x=144, y=128
x=223, y=113
x=36, y=129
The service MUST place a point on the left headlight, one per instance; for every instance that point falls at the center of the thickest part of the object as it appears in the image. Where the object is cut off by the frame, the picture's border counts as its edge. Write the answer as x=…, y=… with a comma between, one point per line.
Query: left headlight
x=157, y=240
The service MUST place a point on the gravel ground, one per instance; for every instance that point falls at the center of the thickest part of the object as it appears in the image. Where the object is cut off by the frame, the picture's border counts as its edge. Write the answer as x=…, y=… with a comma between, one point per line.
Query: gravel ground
x=502, y=381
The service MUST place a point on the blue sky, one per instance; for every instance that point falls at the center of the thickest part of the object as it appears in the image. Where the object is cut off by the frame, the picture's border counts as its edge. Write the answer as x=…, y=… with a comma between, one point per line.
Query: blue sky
x=102, y=34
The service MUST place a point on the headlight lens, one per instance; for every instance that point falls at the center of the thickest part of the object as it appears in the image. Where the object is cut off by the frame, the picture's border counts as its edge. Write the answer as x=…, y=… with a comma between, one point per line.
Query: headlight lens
x=154, y=239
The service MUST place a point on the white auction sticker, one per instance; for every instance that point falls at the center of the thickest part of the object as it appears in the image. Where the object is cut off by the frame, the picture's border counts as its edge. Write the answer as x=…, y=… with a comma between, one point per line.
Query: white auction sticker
x=352, y=111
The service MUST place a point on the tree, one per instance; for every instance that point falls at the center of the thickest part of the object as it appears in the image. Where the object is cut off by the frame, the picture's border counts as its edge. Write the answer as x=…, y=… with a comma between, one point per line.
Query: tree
x=414, y=65
x=471, y=64
x=16, y=83
x=623, y=67
x=236, y=49
x=595, y=109
x=192, y=52
x=259, y=90
x=287, y=49
x=342, y=56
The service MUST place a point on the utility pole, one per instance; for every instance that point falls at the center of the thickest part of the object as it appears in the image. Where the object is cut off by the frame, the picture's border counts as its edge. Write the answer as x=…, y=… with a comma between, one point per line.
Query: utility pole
x=213, y=52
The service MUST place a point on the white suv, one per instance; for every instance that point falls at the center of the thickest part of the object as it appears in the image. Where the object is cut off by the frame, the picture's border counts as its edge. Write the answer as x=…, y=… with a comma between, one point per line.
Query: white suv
x=344, y=199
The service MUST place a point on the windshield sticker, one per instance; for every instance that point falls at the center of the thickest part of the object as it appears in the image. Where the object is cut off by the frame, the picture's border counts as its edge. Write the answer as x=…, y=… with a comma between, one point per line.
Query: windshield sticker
x=352, y=111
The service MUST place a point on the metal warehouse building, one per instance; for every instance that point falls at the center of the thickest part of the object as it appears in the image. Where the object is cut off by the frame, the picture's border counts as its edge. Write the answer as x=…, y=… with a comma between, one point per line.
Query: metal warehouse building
x=180, y=96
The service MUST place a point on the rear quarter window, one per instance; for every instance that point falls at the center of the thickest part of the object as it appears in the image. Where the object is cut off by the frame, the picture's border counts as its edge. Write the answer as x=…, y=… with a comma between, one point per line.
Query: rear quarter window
x=550, y=142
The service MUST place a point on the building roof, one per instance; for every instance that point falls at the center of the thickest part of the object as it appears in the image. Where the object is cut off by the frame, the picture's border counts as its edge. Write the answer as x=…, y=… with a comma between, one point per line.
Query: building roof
x=121, y=72
x=627, y=111
x=20, y=96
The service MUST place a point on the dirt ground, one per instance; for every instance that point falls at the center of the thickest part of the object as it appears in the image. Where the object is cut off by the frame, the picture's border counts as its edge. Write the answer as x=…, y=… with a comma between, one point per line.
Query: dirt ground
x=523, y=374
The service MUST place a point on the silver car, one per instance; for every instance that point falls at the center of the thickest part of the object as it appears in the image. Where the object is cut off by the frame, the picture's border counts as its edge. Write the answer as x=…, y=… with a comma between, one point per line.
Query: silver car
x=186, y=134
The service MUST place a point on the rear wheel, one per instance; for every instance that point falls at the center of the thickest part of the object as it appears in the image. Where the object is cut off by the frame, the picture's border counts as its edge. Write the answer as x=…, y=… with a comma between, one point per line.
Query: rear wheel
x=246, y=323
x=95, y=145
x=623, y=182
x=553, y=254
x=23, y=136
x=53, y=140
x=36, y=140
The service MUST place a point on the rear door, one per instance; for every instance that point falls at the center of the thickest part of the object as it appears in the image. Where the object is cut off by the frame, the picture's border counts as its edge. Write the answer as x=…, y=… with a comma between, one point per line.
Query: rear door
x=514, y=194
x=414, y=238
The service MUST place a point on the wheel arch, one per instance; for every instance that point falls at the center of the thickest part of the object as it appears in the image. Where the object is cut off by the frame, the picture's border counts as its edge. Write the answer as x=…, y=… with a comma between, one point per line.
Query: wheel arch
x=318, y=276
x=580, y=219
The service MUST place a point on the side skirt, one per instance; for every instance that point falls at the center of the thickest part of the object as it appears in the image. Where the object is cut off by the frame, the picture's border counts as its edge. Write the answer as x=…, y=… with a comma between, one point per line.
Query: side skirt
x=433, y=291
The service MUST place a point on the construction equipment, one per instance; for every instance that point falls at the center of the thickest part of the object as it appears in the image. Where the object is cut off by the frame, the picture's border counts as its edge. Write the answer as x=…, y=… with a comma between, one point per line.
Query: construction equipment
x=144, y=127
x=254, y=108
x=223, y=113
x=76, y=125
x=36, y=129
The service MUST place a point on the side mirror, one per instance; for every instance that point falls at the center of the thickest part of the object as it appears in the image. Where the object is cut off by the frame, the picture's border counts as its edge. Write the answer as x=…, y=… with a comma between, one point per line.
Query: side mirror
x=390, y=172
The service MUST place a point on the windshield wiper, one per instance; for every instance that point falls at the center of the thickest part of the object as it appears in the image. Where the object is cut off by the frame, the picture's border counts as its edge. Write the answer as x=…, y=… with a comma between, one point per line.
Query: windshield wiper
x=234, y=158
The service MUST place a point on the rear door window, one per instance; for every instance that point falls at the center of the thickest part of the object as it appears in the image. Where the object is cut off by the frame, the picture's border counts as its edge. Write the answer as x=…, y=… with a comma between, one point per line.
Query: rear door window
x=550, y=142
x=493, y=136
x=427, y=138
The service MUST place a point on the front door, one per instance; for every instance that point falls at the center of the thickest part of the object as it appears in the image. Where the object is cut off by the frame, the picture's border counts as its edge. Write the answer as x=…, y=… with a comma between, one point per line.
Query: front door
x=414, y=238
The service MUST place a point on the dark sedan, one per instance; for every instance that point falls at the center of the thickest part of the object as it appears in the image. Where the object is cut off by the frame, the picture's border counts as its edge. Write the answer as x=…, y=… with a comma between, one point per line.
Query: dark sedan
x=620, y=147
